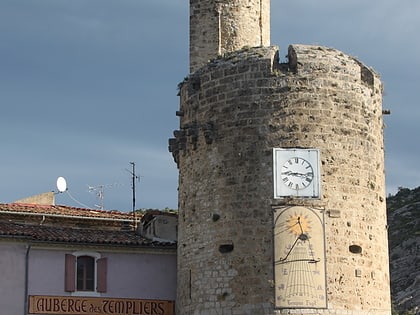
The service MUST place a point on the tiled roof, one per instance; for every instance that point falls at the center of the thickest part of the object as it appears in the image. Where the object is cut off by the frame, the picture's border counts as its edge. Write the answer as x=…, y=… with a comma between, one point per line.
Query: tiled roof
x=108, y=227
x=64, y=211
x=54, y=234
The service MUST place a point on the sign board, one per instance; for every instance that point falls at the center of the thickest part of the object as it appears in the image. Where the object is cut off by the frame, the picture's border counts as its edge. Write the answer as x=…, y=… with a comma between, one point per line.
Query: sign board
x=75, y=305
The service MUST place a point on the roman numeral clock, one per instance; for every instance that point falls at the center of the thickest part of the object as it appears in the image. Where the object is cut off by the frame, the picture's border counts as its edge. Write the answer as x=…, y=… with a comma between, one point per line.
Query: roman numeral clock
x=299, y=237
x=296, y=173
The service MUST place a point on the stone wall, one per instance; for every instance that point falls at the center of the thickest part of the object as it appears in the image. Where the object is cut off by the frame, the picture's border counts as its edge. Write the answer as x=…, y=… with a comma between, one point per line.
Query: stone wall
x=218, y=27
x=233, y=112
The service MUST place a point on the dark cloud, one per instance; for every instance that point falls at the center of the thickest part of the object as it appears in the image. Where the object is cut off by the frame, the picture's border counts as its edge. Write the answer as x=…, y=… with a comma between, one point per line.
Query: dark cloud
x=87, y=86
x=381, y=34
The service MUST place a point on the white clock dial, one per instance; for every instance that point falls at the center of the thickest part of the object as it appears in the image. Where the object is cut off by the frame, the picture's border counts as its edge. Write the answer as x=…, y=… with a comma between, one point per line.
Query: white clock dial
x=297, y=173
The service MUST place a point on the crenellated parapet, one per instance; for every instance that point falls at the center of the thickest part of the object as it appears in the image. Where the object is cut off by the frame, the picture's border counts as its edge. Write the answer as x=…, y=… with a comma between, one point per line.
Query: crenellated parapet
x=233, y=111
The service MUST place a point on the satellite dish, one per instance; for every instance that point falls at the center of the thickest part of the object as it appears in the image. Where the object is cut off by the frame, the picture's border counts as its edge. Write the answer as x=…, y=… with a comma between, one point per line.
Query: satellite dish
x=61, y=184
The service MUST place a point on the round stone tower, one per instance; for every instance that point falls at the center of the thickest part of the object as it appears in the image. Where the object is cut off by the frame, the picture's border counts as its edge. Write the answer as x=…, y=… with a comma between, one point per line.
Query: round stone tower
x=281, y=177
x=221, y=26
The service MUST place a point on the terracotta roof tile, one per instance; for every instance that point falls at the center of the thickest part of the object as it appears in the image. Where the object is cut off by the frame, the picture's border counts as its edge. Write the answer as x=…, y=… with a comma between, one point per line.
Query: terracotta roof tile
x=54, y=234
x=63, y=211
x=64, y=232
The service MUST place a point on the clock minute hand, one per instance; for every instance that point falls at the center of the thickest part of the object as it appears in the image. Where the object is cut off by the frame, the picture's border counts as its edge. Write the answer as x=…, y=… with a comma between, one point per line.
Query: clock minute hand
x=293, y=174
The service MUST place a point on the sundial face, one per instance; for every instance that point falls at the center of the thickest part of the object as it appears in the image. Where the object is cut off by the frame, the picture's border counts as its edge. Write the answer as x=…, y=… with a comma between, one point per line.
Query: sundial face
x=299, y=258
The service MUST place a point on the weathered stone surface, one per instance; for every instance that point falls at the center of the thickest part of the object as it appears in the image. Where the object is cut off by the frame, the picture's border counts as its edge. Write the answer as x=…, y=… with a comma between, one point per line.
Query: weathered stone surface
x=223, y=26
x=236, y=109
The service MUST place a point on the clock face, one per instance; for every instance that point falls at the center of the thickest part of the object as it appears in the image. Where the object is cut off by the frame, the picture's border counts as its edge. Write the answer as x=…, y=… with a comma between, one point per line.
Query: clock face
x=297, y=173
x=299, y=258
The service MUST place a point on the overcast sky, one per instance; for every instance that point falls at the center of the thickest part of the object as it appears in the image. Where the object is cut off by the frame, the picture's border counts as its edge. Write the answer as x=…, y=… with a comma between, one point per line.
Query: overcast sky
x=88, y=86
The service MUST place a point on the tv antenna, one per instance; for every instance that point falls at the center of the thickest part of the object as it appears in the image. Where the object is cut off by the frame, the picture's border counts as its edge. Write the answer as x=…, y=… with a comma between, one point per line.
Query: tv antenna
x=99, y=192
x=134, y=178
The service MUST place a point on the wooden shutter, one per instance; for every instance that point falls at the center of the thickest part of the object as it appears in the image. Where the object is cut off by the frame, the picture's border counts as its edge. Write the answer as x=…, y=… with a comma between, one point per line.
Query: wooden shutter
x=70, y=273
x=101, y=276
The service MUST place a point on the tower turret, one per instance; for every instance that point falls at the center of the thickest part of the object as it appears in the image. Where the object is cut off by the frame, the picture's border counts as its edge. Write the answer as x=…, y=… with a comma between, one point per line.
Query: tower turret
x=281, y=175
x=221, y=26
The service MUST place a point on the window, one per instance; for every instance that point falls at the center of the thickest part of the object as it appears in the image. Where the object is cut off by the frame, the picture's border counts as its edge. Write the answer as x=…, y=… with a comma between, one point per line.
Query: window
x=85, y=277
x=85, y=273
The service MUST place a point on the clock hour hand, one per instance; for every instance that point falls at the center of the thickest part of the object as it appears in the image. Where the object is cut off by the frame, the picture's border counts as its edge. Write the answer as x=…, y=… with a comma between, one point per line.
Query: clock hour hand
x=306, y=175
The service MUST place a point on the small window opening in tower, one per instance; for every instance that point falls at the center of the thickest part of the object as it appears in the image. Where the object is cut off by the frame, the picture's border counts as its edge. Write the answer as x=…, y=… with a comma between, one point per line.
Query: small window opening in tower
x=355, y=249
x=226, y=248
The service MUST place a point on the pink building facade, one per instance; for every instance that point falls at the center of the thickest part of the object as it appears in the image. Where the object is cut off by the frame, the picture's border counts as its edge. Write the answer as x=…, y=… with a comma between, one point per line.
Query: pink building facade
x=62, y=260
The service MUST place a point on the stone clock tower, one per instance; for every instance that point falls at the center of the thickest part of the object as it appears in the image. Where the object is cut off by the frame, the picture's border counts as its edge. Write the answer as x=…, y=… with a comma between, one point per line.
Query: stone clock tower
x=281, y=174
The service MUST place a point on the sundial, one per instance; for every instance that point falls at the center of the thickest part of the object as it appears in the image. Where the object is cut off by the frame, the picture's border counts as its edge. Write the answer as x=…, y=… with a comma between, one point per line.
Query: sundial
x=299, y=258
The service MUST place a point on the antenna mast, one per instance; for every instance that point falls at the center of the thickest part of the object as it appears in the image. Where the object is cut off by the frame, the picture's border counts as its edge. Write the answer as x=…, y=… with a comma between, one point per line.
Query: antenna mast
x=134, y=177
